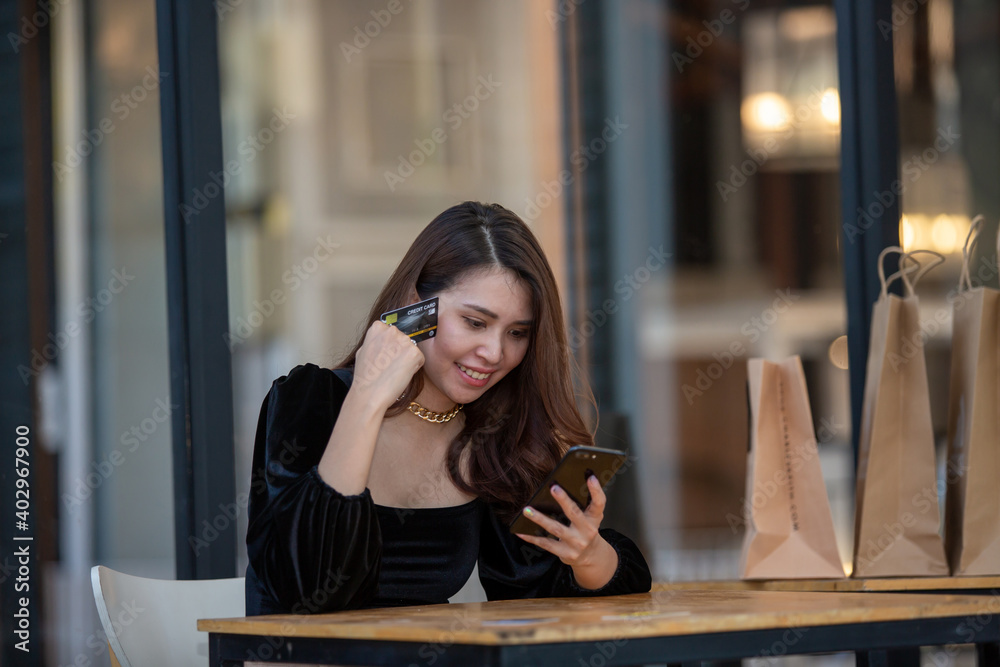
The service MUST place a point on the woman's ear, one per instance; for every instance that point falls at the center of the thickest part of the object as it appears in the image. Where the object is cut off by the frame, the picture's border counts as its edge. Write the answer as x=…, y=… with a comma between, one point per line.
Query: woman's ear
x=414, y=297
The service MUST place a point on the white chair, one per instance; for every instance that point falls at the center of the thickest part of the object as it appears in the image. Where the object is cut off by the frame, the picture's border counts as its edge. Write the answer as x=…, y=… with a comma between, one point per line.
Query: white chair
x=152, y=622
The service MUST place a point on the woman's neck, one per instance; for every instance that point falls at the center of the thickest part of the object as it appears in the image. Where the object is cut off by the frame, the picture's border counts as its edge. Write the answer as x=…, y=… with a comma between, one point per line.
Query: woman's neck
x=435, y=401
x=427, y=435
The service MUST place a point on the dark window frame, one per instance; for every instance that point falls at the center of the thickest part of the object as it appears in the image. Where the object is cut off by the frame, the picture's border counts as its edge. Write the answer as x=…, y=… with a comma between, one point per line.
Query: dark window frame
x=197, y=291
x=869, y=164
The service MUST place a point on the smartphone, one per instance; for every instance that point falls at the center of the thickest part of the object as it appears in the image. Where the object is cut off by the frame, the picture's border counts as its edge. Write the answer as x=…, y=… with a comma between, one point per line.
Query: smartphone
x=571, y=474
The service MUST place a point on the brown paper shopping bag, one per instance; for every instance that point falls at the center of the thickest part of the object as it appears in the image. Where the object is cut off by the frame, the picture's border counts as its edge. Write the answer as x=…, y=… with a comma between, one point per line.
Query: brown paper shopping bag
x=896, y=515
x=789, y=528
x=972, y=506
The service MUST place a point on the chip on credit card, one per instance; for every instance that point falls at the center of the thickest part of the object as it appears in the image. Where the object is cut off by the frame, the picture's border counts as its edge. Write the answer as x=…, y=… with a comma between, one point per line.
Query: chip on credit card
x=419, y=320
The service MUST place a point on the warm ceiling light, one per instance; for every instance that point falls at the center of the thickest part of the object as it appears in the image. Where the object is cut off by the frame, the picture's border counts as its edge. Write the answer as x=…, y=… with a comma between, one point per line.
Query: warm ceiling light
x=944, y=235
x=765, y=112
x=907, y=233
x=829, y=106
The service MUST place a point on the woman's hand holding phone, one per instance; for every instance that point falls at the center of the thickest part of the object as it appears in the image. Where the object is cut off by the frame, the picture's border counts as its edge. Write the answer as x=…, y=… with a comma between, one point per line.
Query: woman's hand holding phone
x=572, y=501
x=579, y=544
x=385, y=363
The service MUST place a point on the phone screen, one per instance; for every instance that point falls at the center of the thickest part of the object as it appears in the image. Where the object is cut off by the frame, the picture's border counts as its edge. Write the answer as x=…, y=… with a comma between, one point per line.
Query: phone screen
x=571, y=474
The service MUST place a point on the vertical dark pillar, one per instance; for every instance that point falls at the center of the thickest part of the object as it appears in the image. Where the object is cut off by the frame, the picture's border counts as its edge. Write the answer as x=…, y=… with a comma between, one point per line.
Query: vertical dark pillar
x=869, y=169
x=25, y=292
x=197, y=292
x=588, y=240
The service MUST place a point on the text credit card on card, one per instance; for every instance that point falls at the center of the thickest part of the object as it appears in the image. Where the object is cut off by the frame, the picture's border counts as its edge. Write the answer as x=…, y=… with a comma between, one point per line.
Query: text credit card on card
x=419, y=320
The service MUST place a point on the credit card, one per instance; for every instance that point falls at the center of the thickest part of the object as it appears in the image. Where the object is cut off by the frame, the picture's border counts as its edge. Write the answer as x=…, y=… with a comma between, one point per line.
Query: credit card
x=419, y=320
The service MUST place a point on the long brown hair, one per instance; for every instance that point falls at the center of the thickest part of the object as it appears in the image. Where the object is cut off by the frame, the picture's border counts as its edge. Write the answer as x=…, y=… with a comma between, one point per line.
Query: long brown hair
x=518, y=430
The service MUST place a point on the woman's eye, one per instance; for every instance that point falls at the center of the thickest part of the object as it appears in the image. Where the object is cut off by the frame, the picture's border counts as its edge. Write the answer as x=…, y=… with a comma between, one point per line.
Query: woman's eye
x=475, y=324
x=519, y=333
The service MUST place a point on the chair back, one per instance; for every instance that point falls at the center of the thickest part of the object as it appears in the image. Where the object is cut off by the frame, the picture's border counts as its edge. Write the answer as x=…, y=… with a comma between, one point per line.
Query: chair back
x=154, y=621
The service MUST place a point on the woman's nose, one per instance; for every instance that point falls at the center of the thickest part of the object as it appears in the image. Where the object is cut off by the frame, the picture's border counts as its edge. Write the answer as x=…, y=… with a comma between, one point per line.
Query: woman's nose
x=491, y=351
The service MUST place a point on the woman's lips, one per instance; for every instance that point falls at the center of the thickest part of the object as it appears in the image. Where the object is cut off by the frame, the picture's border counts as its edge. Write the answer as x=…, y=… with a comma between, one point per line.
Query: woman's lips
x=480, y=379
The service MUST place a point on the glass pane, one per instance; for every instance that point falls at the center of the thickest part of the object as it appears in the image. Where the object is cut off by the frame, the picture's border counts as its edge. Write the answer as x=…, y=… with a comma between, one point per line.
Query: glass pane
x=947, y=68
x=948, y=100
x=753, y=137
x=347, y=129
x=112, y=410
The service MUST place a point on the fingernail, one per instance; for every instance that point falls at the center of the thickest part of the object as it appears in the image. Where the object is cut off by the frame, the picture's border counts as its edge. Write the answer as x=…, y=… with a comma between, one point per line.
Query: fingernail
x=528, y=511
x=592, y=478
x=556, y=489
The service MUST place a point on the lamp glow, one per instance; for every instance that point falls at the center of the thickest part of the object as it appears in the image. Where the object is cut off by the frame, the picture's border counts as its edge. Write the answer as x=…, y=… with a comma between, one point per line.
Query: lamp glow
x=907, y=233
x=829, y=106
x=765, y=112
x=944, y=234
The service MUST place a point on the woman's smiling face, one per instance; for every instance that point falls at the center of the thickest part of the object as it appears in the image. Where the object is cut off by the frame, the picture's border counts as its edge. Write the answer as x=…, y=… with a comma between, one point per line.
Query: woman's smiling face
x=484, y=326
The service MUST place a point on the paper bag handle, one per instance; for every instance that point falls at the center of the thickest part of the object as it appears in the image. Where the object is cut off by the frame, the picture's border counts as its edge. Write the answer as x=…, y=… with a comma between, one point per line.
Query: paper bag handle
x=881, y=268
x=965, y=278
x=908, y=264
x=921, y=271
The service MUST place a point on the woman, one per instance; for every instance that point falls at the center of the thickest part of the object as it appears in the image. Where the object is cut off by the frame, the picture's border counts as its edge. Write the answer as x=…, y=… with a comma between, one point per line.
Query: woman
x=384, y=481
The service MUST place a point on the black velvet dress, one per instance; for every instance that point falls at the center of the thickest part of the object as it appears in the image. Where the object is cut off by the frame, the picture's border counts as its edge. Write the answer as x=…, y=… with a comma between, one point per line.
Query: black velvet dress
x=312, y=549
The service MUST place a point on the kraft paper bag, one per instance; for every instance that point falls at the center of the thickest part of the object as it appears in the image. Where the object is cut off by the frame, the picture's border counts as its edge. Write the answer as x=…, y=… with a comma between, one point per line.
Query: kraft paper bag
x=972, y=505
x=897, y=518
x=789, y=527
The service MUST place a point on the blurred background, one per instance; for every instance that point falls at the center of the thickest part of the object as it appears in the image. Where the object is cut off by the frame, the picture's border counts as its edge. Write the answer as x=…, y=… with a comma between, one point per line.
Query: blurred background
x=678, y=160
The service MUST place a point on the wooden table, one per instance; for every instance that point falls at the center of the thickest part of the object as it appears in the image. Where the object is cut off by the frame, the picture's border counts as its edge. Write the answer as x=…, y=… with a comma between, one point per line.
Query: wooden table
x=959, y=585
x=665, y=626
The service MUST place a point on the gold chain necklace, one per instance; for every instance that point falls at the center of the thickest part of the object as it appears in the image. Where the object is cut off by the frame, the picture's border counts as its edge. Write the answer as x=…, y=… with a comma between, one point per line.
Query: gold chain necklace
x=431, y=416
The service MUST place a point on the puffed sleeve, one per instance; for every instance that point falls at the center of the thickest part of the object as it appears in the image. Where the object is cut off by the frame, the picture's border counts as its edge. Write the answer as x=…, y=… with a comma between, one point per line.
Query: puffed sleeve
x=310, y=548
x=510, y=568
